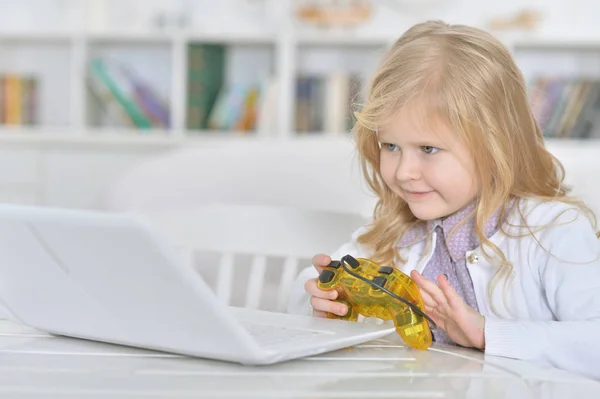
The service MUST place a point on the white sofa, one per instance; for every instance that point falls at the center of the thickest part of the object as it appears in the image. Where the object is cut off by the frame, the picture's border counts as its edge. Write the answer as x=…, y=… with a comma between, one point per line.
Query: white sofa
x=581, y=161
x=318, y=173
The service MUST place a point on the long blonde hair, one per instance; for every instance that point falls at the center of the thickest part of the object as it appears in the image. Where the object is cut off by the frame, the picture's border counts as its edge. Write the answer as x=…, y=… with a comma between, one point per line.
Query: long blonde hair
x=468, y=79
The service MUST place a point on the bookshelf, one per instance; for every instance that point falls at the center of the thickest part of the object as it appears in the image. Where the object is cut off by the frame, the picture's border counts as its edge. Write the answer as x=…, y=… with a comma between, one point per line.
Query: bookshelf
x=563, y=78
x=70, y=96
x=22, y=65
x=66, y=105
x=72, y=152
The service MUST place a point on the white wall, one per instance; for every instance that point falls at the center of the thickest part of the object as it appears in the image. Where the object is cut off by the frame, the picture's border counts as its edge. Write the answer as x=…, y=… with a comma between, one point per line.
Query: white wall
x=560, y=16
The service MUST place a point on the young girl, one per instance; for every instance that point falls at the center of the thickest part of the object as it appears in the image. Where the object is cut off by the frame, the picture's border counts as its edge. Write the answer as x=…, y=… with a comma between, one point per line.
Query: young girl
x=472, y=205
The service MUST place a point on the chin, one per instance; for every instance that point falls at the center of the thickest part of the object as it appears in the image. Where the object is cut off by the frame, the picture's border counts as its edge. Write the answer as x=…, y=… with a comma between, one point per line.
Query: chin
x=424, y=212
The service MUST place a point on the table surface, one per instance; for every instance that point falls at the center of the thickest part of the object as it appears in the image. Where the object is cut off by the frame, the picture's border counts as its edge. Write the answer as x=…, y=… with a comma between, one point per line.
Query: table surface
x=37, y=365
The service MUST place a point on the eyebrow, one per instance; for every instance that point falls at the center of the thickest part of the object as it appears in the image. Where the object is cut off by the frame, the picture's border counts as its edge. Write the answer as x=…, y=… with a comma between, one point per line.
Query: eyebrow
x=421, y=142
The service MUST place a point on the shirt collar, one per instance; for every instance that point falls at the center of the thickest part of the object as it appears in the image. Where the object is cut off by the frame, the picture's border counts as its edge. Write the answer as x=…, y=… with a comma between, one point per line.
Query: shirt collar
x=463, y=238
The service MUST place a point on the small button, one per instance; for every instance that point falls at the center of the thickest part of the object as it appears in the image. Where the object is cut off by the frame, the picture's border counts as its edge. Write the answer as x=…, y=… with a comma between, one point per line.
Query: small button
x=335, y=264
x=473, y=258
x=352, y=261
x=326, y=276
x=386, y=270
x=380, y=281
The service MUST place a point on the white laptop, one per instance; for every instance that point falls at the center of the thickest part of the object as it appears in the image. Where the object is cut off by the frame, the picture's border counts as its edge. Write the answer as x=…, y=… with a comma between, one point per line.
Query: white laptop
x=110, y=277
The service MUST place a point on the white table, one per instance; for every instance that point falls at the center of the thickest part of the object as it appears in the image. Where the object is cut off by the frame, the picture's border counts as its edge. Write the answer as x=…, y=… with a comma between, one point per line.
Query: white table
x=36, y=365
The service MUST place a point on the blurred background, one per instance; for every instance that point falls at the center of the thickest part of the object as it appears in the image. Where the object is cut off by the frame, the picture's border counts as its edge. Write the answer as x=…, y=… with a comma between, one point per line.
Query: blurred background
x=90, y=88
x=166, y=106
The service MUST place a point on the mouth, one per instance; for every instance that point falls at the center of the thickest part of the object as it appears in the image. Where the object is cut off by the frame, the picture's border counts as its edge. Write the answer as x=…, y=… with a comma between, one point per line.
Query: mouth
x=416, y=194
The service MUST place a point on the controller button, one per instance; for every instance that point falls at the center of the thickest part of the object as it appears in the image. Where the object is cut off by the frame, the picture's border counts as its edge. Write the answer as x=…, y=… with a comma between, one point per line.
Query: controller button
x=335, y=264
x=326, y=276
x=386, y=270
x=352, y=262
x=380, y=281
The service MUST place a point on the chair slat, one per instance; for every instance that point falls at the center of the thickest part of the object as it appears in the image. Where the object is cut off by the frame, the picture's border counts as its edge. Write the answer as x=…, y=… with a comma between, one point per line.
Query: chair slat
x=288, y=276
x=256, y=281
x=225, y=278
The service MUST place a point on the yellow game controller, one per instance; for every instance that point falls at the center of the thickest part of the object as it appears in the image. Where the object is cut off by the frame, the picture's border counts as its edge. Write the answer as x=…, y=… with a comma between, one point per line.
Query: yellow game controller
x=383, y=292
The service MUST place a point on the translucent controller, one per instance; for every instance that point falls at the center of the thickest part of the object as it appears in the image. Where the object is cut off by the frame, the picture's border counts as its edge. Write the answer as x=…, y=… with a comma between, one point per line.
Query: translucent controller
x=362, y=283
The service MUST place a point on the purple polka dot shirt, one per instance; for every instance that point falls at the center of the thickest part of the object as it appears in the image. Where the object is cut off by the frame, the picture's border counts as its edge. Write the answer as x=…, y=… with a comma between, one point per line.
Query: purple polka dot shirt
x=449, y=256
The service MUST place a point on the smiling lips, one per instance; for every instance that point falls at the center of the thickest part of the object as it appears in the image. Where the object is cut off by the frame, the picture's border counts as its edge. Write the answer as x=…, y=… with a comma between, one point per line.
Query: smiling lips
x=416, y=195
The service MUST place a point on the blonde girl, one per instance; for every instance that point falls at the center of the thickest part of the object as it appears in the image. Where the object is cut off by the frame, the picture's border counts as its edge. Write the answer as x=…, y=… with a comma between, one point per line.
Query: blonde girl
x=472, y=205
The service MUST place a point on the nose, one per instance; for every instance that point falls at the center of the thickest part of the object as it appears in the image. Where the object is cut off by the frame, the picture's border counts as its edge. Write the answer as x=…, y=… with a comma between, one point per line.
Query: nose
x=408, y=168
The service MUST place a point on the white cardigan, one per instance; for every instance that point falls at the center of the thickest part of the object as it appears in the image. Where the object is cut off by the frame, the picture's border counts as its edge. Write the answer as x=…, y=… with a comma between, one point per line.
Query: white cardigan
x=551, y=308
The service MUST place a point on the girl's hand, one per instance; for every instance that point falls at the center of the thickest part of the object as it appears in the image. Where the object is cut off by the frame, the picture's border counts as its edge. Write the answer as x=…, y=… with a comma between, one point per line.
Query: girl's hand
x=322, y=301
x=463, y=324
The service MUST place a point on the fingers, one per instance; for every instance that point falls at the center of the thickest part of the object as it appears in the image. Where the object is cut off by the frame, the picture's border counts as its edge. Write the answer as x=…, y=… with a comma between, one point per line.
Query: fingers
x=433, y=314
x=454, y=300
x=428, y=300
x=320, y=261
x=325, y=305
x=323, y=301
x=435, y=296
x=311, y=287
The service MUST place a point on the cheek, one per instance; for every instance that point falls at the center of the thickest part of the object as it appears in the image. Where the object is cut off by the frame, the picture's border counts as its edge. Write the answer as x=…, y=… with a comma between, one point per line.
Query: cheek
x=465, y=167
x=470, y=180
x=387, y=170
x=452, y=177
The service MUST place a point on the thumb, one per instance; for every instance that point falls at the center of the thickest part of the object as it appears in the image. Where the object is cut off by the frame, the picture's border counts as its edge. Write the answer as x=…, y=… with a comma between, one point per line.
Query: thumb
x=320, y=261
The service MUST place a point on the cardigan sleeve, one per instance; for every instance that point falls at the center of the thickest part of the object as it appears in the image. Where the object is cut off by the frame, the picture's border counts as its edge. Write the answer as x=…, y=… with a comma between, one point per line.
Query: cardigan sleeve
x=568, y=260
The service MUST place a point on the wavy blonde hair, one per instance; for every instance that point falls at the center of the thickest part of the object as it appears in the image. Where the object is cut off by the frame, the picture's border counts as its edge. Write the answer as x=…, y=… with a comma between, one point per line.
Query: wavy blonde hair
x=467, y=79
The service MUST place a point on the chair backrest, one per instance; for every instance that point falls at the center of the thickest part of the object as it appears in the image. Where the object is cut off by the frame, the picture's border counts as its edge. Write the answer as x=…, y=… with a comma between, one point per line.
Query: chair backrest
x=250, y=255
x=582, y=169
x=319, y=174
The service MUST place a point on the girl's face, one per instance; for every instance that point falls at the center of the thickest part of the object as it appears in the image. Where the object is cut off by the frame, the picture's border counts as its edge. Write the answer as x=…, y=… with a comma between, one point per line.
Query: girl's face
x=431, y=169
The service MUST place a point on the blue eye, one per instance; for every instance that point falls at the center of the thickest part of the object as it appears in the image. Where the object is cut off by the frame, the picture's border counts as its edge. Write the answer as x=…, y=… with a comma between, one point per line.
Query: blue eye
x=390, y=147
x=427, y=149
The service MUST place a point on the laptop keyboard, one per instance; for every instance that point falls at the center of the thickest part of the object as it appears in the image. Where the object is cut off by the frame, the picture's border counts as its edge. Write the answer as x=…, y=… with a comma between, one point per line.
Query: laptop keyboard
x=267, y=335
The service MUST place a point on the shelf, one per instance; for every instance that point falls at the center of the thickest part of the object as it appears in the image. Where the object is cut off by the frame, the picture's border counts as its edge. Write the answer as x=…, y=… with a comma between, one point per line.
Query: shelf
x=533, y=42
x=344, y=40
x=176, y=37
x=38, y=37
x=128, y=137
x=231, y=38
x=306, y=38
x=172, y=37
x=140, y=37
x=117, y=137
x=131, y=37
x=556, y=43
